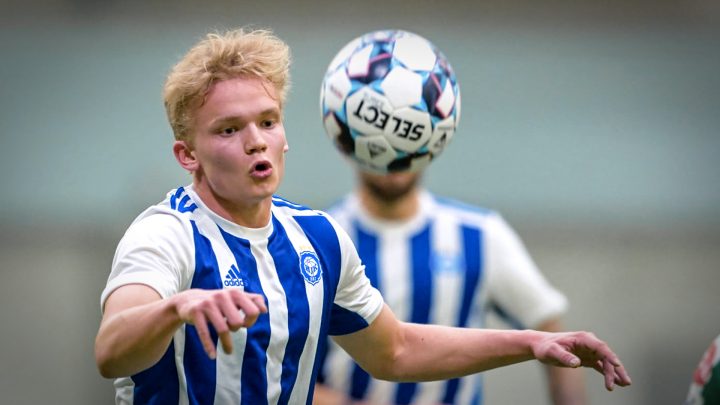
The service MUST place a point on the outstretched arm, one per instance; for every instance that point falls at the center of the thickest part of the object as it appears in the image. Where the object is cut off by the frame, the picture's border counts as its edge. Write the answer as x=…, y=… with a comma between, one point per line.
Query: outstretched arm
x=137, y=325
x=398, y=351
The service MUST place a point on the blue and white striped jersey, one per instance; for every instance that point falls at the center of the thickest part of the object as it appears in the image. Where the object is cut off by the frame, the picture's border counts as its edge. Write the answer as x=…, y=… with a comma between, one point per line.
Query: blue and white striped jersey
x=302, y=262
x=449, y=264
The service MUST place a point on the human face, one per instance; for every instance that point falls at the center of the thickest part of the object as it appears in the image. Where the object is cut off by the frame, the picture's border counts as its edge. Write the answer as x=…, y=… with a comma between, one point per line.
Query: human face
x=389, y=188
x=238, y=144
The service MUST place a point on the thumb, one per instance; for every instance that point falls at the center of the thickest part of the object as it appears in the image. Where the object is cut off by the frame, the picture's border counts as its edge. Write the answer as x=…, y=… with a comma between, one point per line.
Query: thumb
x=570, y=360
x=564, y=357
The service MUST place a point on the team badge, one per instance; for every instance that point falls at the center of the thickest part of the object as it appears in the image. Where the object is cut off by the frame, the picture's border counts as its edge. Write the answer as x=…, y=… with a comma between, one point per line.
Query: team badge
x=310, y=267
x=446, y=262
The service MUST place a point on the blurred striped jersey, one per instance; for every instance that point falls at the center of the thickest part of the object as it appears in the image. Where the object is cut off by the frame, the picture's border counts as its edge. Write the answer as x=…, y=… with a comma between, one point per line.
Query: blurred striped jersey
x=449, y=264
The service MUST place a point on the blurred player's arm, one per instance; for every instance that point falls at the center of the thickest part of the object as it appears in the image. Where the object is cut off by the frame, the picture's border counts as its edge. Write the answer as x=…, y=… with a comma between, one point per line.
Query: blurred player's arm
x=398, y=351
x=137, y=325
x=325, y=395
x=566, y=385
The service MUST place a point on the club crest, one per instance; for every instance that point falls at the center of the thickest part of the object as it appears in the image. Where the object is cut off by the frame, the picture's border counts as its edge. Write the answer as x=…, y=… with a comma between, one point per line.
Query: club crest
x=446, y=263
x=310, y=267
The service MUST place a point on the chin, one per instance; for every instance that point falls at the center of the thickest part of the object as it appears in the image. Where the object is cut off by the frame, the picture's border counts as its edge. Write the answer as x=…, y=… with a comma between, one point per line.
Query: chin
x=266, y=191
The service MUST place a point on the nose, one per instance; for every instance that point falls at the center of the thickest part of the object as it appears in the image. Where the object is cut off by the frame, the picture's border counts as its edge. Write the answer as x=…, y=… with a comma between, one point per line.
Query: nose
x=254, y=140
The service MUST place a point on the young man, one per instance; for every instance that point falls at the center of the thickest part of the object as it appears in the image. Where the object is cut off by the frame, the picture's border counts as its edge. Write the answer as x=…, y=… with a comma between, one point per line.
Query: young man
x=222, y=261
x=439, y=261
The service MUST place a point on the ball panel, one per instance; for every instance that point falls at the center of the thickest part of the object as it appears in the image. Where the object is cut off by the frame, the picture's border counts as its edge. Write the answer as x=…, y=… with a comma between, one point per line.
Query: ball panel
x=337, y=87
x=358, y=64
x=446, y=100
x=402, y=87
x=431, y=92
x=368, y=111
x=414, y=52
x=409, y=129
x=332, y=127
x=443, y=133
x=374, y=150
x=378, y=68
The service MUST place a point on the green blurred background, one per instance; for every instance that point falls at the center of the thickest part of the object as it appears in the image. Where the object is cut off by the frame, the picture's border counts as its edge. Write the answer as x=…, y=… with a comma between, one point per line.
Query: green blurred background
x=594, y=127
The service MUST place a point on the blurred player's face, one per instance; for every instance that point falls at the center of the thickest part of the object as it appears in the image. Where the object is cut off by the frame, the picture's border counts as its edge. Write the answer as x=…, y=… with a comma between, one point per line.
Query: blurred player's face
x=389, y=187
x=238, y=143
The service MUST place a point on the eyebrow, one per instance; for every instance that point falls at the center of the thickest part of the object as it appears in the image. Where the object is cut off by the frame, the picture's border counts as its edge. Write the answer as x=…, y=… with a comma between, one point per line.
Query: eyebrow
x=263, y=113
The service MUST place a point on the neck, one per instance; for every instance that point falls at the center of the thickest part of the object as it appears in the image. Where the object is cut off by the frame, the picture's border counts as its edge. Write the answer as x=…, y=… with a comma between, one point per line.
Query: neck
x=401, y=208
x=250, y=214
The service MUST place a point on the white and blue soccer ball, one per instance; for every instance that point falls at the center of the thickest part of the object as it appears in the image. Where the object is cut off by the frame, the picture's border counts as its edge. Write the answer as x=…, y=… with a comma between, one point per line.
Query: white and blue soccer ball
x=390, y=101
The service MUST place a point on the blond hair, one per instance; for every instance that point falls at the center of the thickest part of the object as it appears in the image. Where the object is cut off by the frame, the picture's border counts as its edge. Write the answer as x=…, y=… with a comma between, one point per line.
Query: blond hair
x=222, y=56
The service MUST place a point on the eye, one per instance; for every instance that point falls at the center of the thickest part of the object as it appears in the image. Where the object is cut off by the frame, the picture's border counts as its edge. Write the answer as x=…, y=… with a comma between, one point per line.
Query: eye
x=268, y=123
x=228, y=130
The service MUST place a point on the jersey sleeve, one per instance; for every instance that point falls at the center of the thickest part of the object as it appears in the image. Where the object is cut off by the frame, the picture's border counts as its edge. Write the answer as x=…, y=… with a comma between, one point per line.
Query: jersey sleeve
x=357, y=303
x=515, y=284
x=155, y=251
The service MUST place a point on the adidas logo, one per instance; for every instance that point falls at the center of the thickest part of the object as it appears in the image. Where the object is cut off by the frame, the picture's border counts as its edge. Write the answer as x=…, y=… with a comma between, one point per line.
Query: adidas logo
x=233, y=278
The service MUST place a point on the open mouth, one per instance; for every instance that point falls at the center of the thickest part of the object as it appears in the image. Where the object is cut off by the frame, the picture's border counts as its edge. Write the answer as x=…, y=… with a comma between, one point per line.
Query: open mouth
x=262, y=169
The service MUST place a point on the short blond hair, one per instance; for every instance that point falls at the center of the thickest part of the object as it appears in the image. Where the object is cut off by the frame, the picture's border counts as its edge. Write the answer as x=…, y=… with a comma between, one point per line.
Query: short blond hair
x=222, y=56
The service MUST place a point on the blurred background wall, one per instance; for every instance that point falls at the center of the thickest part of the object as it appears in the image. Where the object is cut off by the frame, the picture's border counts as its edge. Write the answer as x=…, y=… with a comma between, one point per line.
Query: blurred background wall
x=592, y=126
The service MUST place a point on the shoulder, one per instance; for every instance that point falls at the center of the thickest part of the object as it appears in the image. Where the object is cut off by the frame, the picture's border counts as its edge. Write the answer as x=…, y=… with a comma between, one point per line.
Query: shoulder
x=465, y=212
x=300, y=213
x=490, y=222
x=317, y=225
x=342, y=205
x=279, y=202
x=345, y=210
x=284, y=209
x=171, y=217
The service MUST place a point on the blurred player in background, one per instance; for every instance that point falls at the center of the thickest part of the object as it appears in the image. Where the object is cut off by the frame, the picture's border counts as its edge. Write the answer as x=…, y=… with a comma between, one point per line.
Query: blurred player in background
x=223, y=262
x=705, y=386
x=439, y=261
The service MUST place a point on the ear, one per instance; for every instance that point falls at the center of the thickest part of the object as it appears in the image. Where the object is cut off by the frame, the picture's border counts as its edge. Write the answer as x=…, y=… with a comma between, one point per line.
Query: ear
x=286, y=147
x=185, y=156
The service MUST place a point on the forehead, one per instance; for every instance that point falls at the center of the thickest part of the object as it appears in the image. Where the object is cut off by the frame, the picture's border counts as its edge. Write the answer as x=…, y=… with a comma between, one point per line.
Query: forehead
x=240, y=96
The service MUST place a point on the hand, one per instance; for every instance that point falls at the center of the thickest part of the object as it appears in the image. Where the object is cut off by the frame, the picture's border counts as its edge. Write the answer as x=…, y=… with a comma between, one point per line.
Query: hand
x=226, y=310
x=576, y=349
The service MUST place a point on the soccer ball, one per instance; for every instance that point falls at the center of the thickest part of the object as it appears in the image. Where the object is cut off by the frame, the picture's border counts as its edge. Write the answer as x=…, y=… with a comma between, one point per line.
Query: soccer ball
x=390, y=101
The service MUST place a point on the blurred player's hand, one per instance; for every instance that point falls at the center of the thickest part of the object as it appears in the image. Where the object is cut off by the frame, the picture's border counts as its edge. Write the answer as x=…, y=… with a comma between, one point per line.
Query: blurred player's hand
x=576, y=349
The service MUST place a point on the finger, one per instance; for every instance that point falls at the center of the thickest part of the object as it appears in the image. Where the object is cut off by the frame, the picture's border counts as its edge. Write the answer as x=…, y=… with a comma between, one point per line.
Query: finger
x=609, y=372
x=609, y=356
x=220, y=324
x=259, y=301
x=623, y=378
x=204, y=334
x=235, y=318
x=620, y=375
x=226, y=341
x=251, y=305
x=558, y=355
x=570, y=360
